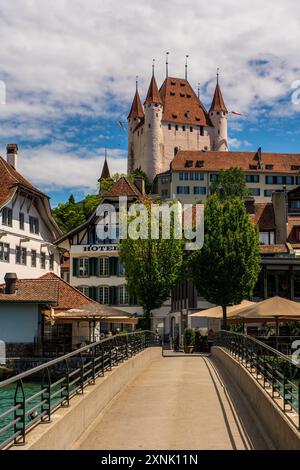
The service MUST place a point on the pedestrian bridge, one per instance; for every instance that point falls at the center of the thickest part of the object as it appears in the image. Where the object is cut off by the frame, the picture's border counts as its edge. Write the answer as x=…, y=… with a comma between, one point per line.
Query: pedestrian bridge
x=127, y=395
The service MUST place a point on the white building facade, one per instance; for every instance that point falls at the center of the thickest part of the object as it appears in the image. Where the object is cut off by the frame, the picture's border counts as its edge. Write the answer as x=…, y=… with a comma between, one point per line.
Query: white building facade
x=27, y=229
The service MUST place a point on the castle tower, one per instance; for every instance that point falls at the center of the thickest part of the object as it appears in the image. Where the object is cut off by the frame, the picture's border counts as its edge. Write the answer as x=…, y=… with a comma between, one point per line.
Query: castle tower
x=218, y=114
x=153, y=135
x=135, y=116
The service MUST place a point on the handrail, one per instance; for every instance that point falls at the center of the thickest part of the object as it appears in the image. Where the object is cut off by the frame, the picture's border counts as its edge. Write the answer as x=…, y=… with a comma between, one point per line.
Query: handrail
x=266, y=346
x=275, y=372
x=61, y=379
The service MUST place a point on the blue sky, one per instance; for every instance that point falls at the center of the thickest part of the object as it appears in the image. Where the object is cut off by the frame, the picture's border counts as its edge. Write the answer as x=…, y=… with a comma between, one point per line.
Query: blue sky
x=69, y=69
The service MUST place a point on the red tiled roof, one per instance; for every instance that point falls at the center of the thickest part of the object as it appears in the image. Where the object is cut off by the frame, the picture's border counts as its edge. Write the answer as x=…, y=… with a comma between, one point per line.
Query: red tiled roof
x=153, y=95
x=49, y=288
x=264, y=216
x=123, y=187
x=181, y=104
x=216, y=161
x=32, y=290
x=270, y=249
x=218, y=102
x=67, y=296
x=136, y=110
x=293, y=221
x=10, y=180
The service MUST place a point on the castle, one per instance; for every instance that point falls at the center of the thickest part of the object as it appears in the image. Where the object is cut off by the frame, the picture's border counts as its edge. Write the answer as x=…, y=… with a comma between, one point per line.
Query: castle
x=173, y=118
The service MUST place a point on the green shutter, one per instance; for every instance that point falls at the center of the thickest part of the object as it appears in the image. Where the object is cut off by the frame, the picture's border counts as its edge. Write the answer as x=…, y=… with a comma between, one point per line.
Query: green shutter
x=75, y=267
x=93, y=293
x=113, y=295
x=113, y=266
x=93, y=264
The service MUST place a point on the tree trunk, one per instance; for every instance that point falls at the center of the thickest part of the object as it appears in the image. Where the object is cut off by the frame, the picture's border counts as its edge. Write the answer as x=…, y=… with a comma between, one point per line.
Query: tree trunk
x=224, y=322
x=148, y=320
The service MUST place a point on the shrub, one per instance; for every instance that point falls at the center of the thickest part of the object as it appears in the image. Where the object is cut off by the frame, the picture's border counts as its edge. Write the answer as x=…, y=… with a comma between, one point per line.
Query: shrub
x=189, y=337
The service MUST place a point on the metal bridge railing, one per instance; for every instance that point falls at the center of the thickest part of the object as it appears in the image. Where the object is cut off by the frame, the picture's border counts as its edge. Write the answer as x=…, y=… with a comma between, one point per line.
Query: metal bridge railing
x=277, y=373
x=31, y=397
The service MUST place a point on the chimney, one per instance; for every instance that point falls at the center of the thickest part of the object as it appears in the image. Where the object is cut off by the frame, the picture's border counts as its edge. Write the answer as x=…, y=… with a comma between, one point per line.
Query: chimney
x=280, y=207
x=250, y=205
x=12, y=155
x=10, y=283
x=140, y=184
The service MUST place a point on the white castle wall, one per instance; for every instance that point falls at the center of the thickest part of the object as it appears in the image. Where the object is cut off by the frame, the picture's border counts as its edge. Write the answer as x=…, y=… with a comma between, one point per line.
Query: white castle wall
x=220, y=122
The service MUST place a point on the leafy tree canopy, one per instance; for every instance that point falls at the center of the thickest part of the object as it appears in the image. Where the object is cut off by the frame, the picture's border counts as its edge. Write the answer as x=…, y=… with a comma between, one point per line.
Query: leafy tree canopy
x=226, y=269
x=152, y=266
x=230, y=183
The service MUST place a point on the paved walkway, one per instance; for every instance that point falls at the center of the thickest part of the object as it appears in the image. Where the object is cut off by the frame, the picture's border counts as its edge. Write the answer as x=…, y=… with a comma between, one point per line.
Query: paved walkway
x=176, y=403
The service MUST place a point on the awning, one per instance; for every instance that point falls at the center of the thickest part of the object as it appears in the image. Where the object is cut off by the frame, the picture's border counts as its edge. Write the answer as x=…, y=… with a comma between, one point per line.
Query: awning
x=217, y=312
x=91, y=312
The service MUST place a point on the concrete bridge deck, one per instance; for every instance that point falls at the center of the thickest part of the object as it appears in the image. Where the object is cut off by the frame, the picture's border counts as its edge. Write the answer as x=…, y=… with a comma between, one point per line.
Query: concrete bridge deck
x=177, y=403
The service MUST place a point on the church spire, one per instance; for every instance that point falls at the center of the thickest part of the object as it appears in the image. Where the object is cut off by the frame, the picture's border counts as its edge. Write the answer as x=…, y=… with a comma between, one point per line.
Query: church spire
x=136, y=110
x=218, y=102
x=105, y=170
x=153, y=95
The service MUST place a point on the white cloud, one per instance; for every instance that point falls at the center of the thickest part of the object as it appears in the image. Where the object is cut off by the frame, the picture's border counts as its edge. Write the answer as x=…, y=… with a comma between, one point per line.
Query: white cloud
x=235, y=143
x=62, y=58
x=52, y=167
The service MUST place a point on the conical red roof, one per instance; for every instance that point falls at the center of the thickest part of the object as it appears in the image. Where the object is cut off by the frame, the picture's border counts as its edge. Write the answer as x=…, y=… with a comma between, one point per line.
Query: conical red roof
x=218, y=102
x=105, y=171
x=136, y=110
x=153, y=95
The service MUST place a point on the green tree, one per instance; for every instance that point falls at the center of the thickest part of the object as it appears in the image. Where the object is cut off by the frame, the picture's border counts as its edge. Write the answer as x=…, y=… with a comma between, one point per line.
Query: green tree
x=69, y=215
x=140, y=172
x=230, y=183
x=152, y=266
x=226, y=269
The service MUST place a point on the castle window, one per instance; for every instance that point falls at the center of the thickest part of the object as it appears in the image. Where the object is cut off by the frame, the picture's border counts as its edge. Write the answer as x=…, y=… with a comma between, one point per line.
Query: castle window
x=149, y=125
x=142, y=131
x=182, y=95
x=138, y=133
x=188, y=95
x=219, y=132
x=169, y=127
x=183, y=128
x=176, y=127
x=218, y=113
x=202, y=130
x=174, y=115
x=173, y=83
x=191, y=129
x=197, y=118
x=182, y=84
x=175, y=150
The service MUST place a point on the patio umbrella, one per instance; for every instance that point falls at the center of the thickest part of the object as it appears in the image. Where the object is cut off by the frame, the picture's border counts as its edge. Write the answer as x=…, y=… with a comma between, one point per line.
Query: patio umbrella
x=217, y=312
x=274, y=308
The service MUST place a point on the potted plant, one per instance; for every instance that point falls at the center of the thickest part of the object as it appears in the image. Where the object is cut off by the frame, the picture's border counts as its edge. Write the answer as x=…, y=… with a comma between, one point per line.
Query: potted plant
x=189, y=340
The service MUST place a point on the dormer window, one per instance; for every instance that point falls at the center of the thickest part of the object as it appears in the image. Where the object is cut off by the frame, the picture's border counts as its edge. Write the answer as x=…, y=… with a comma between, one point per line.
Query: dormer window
x=172, y=93
x=253, y=167
x=199, y=164
x=197, y=118
x=182, y=84
x=188, y=95
x=269, y=167
x=182, y=95
x=295, y=167
x=189, y=164
x=174, y=115
x=173, y=83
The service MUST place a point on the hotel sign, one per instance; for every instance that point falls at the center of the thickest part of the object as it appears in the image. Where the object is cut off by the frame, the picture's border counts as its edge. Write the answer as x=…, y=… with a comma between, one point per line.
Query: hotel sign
x=93, y=248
